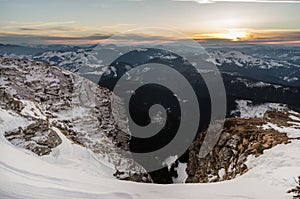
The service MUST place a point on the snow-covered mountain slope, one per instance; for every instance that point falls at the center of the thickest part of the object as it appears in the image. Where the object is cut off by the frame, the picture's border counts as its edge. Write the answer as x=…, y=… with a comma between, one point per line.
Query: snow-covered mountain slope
x=246, y=109
x=263, y=63
x=57, y=102
x=71, y=172
x=71, y=60
x=263, y=69
x=58, y=136
x=244, y=76
x=242, y=60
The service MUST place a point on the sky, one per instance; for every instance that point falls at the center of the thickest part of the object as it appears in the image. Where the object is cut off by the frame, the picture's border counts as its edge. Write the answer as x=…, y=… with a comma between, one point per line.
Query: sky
x=90, y=21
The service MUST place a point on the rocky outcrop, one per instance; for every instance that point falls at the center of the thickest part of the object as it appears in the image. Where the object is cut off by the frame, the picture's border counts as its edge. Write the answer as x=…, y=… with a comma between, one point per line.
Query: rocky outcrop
x=37, y=137
x=296, y=190
x=239, y=139
x=135, y=177
x=51, y=97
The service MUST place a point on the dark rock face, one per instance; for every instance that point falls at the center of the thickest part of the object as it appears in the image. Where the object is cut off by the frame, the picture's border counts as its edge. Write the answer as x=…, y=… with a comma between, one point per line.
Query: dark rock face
x=239, y=139
x=56, y=90
x=163, y=176
x=39, y=82
x=8, y=102
x=135, y=177
x=296, y=190
x=37, y=137
x=51, y=98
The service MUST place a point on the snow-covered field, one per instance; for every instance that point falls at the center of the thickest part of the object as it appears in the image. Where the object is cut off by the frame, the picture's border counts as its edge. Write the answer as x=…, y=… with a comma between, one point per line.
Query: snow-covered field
x=71, y=171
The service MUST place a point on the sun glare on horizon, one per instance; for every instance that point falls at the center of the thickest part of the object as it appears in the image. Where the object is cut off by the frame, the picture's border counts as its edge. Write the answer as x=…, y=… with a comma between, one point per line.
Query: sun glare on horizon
x=234, y=35
x=230, y=34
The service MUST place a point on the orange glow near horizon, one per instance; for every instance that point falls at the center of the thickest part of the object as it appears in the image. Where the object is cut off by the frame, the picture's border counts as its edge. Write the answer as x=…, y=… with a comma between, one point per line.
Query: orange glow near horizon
x=235, y=35
x=232, y=35
x=289, y=37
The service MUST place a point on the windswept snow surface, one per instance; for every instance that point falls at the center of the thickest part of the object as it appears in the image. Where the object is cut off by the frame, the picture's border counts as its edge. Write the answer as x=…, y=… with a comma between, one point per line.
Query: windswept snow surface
x=292, y=131
x=245, y=109
x=33, y=110
x=70, y=171
x=181, y=171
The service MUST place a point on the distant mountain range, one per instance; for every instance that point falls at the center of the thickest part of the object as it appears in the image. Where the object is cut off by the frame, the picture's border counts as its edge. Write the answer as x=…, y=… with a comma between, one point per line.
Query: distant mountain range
x=271, y=64
x=256, y=72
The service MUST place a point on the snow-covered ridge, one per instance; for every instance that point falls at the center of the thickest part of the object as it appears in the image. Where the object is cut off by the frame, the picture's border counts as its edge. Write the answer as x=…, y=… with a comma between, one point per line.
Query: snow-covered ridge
x=86, y=61
x=69, y=59
x=259, y=84
x=242, y=60
x=280, y=70
x=58, y=99
x=245, y=109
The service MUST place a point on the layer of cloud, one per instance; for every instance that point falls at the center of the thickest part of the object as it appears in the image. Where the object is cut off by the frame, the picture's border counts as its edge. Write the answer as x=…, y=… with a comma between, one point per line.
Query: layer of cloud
x=291, y=37
x=40, y=39
x=56, y=31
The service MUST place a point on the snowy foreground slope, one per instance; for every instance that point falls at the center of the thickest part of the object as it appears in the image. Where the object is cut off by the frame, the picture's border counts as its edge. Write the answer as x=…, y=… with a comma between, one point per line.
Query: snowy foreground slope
x=71, y=170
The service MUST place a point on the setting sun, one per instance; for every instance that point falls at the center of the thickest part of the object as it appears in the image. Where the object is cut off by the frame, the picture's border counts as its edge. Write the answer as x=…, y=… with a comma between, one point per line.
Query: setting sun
x=234, y=35
x=230, y=34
